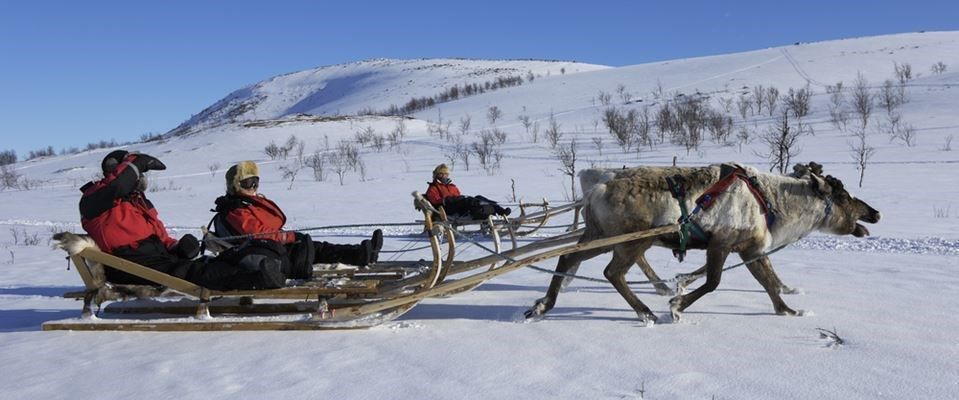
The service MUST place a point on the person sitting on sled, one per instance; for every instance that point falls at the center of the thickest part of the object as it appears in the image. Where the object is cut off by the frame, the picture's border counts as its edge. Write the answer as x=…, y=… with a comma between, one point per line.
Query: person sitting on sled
x=442, y=192
x=245, y=211
x=119, y=218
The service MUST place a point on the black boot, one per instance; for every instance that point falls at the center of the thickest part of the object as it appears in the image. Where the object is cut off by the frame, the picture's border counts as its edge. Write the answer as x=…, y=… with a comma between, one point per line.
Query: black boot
x=377, y=244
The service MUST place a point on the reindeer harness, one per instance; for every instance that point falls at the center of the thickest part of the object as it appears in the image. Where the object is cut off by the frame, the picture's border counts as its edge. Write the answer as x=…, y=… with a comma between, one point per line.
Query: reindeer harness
x=728, y=174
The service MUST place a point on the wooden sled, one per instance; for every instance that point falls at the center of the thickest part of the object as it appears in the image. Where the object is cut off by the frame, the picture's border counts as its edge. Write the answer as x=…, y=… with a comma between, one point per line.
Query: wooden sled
x=329, y=301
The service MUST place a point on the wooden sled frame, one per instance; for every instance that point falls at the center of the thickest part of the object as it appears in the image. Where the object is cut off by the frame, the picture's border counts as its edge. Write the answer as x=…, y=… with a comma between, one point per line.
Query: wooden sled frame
x=314, y=305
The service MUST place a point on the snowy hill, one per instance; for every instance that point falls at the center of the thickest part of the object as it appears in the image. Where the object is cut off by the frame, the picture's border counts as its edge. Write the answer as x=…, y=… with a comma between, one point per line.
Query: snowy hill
x=347, y=89
x=889, y=296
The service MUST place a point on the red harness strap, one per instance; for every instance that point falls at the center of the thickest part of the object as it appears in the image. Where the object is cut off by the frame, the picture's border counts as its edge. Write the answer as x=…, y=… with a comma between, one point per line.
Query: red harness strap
x=707, y=199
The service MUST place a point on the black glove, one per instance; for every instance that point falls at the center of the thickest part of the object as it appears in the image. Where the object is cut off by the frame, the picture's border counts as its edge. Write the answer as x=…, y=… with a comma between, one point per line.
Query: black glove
x=145, y=163
x=188, y=247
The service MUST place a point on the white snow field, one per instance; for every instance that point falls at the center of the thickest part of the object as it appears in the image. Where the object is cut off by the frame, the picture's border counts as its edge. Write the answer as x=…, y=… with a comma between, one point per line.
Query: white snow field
x=891, y=297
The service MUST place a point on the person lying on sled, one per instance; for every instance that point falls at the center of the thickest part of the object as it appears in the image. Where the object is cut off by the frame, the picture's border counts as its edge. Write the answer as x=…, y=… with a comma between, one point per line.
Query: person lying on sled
x=245, y=211
x=442, y=192
x=119, y=218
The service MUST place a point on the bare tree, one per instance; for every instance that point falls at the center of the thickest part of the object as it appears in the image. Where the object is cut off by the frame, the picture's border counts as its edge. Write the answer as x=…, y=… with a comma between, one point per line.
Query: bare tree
x=598, y=143
x=727, y=104
x=743, y=136
x=340, y=165
x=772, y=98
x=744, y=104
x=623, y=93
x=621, y=125
x=553, y=133
x=487, y=151
x=644, y=127
x=861, y=152
x=9, y=178
x=759, y=95
x=213, y=168
x=604, y=98
x=8, y=157
x=947, y=146
x=903, y=73
x=317, y=162
x=838, y=115
x=566, y=155
x=527, y=122
x=798, y=101
x=292, y=169
x=781, y=141
x=493, y=114
x=272, y=150
x=862, y=100
x=938, y=68
x=464, y=126
x=891, y=96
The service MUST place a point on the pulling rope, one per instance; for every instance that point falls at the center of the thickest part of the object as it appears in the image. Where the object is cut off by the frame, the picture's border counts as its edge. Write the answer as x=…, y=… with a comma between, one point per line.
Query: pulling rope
x=315, y=228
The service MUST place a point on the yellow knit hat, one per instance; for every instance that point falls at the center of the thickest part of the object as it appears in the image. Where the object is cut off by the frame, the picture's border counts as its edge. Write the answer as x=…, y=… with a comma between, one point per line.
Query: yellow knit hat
x=441, y=169
x=239, y=172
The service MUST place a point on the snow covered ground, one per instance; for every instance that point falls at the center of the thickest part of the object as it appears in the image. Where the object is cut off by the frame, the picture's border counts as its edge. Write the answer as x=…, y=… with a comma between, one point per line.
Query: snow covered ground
x=889, y=296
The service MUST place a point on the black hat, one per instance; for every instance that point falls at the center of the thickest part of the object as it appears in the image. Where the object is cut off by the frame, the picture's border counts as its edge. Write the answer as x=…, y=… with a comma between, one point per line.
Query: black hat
x=112, y=160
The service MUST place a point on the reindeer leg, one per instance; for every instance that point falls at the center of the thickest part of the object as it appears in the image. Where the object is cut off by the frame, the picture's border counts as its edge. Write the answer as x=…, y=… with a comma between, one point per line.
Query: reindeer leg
x=683, y=280
x=715, y=257
x=615, y=272
x=762, y=270
x=564, y=265
x=661, y=288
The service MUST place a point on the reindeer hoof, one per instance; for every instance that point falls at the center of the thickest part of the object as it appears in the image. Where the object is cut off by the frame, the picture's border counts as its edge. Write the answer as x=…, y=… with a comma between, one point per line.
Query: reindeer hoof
x=675, y=308
x=648, y=318
x=790, y=312
x=538, y=309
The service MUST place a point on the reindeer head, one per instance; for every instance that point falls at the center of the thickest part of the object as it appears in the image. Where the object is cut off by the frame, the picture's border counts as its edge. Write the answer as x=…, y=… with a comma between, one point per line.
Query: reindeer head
x=845, y=209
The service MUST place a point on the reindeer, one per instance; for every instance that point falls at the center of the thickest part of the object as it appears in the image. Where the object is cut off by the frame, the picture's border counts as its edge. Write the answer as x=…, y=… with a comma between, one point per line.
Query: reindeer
x=736, y=221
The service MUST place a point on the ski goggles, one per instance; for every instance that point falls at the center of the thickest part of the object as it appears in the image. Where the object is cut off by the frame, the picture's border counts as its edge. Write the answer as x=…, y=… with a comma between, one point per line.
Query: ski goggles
x=250, y=183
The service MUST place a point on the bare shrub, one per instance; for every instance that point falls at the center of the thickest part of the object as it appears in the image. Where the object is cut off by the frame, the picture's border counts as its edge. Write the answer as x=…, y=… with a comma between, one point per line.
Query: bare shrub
x=897, y=130
x=861, y=152
x=621, y=125
x=624, y=95
x=566, y=155
x=213, y=168
x=744, y=104
x=759, y=95
x=798, y=101
x=492, y=114
x=604, y=98
x=487, y=151
x=782, y=143
x=598, y=144
x=743, y=136
x=9, y=178
x=727, y=104
x=272, y=150
x=527, y=123
x=291, y=170
x=891, y=96
x=170, y=186
x=317, y=162
x=838, y=116
x=365, y=136
x=553, y=132
x=464, y=125
x=903, y=72
x=720, y=127
x=690, y=122
x=862, y=100
x=8, y=157
x=22, y=238
x=47, y=152
x=644, y=128
x=772, y=98
x=947, y=146
x=938, y=68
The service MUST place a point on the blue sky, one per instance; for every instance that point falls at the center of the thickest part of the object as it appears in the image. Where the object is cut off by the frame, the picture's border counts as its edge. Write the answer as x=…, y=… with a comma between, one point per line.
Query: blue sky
x=74, y=72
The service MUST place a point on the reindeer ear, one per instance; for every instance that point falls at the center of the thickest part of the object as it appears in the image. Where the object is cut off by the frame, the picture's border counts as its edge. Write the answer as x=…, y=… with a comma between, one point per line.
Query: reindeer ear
x=800, y=171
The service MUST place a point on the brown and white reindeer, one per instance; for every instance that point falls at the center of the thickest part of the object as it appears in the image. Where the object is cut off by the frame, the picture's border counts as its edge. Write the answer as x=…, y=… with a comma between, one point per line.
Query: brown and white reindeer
x=736, y=221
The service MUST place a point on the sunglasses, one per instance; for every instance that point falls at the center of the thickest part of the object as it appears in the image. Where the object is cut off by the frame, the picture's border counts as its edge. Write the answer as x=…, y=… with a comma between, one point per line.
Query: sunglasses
x=250, y=183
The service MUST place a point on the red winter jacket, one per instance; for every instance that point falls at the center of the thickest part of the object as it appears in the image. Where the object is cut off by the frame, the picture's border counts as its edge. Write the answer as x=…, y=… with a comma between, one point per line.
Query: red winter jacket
x=439, y=191
x=115, y=214
x=259, y=215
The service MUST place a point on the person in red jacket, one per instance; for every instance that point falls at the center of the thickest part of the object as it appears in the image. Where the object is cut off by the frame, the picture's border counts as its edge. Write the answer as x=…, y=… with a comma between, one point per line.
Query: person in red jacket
x=245, y=211
x=119, y=218
x=442, y=192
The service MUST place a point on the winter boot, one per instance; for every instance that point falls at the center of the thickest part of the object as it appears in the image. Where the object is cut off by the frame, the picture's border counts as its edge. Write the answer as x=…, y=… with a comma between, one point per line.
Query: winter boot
x=377, y=244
